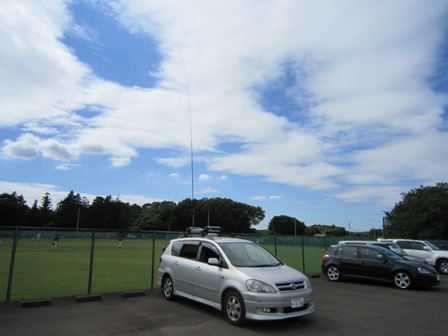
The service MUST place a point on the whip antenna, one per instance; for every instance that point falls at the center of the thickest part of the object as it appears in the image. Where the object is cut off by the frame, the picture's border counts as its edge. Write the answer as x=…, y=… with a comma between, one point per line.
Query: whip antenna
x=191, y=137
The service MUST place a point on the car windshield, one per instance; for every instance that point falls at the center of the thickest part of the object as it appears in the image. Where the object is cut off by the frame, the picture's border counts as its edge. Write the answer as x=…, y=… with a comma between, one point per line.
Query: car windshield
x=397, y=249
x=248, y=254
x=392, y=255
x=432, y=245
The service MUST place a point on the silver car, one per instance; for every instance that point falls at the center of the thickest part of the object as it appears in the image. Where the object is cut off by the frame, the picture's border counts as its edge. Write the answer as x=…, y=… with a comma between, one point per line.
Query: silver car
x=236, y=276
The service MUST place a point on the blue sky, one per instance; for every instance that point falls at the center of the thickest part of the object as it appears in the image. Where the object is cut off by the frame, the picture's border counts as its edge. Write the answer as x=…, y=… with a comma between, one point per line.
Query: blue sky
x=324, y=111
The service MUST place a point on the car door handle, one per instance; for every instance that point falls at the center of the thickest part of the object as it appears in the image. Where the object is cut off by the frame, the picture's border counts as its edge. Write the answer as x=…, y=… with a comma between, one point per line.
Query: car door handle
x=198, y=268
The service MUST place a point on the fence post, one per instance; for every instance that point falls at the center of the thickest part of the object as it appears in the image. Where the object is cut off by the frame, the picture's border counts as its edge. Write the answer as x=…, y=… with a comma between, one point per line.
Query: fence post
x=303, y=256
x=275, y=244
x=153, y=257
x=92, y=252
x=11, y=265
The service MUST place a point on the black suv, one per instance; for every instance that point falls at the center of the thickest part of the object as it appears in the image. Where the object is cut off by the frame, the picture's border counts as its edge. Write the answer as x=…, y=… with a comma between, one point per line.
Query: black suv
x=377, y=263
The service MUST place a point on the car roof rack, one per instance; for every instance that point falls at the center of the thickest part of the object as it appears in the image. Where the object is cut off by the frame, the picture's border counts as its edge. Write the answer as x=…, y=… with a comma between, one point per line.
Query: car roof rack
x=207, y=231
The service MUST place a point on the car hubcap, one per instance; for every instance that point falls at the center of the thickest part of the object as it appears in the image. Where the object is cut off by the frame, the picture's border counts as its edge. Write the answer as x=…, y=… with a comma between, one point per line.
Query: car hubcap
x=233, y=308
x=333, y=273
x=444, y=267
x=168, y=288
x=402, y=280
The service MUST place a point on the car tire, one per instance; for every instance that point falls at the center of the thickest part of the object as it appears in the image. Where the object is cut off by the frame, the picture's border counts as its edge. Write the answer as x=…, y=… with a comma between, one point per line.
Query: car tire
x=234, y=308
x=403, y=280
x=168, y=287
x=442, y=266
x=333, y=273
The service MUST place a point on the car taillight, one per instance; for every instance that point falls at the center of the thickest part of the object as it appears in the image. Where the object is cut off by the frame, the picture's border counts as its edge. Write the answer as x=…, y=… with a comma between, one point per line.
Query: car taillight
x=325, y=257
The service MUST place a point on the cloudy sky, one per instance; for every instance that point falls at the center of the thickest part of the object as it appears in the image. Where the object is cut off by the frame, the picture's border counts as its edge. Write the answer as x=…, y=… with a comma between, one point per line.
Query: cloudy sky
x=321, y=110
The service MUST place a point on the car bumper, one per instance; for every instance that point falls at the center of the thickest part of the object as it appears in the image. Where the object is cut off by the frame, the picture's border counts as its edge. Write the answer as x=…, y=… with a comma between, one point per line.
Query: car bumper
x=277, y=306
x=427, y=280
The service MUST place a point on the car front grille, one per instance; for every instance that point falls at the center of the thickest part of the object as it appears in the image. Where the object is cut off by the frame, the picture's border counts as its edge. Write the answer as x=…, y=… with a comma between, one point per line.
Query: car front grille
x=291, y=286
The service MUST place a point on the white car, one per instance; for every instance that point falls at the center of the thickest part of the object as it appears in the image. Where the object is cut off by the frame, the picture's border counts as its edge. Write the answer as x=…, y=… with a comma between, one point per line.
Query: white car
x=234, y=275
x=424, y=249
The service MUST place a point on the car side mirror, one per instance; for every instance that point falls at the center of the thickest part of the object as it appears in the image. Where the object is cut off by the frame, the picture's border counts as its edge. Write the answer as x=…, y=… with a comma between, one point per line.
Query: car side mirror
x=213, y=261
x=426, y=248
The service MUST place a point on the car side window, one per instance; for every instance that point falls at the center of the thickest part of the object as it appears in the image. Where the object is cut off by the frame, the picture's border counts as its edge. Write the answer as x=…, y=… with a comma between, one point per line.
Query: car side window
x=207, y=253
x=368, y=253
x=189, y=250
x=417, y=246
x=349, y=251
x=404, y=244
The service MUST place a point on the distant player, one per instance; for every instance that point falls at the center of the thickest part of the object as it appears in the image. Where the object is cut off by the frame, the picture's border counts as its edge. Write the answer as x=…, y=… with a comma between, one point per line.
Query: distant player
x=54, y=245
x=119, y=242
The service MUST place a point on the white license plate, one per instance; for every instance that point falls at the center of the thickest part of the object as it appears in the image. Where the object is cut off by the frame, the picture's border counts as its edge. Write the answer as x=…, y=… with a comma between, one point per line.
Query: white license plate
x=297, y=303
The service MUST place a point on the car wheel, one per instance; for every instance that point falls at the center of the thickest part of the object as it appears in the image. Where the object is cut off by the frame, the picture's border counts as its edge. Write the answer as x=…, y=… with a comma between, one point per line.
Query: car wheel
x=403, y=280
x=234, y=308
x=333, y=273
x=442, y=266
x=168, y=288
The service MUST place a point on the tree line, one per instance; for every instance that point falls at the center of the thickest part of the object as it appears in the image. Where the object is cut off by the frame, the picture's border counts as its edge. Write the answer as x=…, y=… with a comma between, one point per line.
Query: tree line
x=421, y=214
x=75, y=211
x=110, y=213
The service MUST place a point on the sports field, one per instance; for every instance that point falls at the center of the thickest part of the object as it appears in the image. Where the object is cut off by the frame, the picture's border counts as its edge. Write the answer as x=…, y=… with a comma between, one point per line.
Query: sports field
x=42, y=273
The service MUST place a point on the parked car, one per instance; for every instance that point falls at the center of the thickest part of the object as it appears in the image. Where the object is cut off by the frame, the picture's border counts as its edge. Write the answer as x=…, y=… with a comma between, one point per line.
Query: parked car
x=394, y=247
x=424, y=249
x=376, y=263
x=234, y=275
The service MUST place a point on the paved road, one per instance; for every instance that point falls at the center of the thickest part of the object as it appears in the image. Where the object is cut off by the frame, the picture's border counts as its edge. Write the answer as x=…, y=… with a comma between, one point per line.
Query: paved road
x=346, y=308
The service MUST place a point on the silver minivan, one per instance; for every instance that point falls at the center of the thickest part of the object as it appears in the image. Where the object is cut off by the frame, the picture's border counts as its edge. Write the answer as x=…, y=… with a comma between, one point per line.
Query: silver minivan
x=234, y=275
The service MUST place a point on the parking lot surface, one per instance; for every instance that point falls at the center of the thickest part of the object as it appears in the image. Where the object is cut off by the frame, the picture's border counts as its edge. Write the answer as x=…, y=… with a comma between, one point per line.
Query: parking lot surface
x=346, y=308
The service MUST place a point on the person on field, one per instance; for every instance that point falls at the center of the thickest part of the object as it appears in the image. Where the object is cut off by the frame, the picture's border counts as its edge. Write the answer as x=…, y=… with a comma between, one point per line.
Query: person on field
x=119, y=241
x=54, y=245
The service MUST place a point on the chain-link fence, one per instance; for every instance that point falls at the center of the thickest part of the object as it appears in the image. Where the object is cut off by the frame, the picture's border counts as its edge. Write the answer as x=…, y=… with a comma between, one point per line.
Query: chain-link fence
x=40, y=263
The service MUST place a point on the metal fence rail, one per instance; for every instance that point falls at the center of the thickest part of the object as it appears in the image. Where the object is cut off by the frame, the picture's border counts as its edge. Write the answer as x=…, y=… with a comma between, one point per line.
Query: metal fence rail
x=86, y=262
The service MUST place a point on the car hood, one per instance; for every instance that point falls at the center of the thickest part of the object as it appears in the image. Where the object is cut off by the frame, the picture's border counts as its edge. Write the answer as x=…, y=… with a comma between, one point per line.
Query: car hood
x=273, y=275
x=415, y=259
x=416, y=264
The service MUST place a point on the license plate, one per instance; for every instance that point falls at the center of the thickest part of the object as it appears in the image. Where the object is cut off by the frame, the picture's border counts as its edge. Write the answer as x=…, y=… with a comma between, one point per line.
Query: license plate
x=297, y=303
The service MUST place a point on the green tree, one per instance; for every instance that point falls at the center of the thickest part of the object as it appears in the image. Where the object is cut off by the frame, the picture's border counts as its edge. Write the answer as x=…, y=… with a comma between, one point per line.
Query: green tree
x=68, y=209
x=286, y=225
x=327, y=230
x=421, y=214
x=46, y=214
x=155, y=216
x=13, y=210
x=33, y=217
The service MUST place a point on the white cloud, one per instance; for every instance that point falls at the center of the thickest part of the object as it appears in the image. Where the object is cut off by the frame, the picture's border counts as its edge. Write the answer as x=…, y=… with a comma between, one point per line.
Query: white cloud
x=364, y=114
x=35, y=191
x=208, y=190
x=204, y=177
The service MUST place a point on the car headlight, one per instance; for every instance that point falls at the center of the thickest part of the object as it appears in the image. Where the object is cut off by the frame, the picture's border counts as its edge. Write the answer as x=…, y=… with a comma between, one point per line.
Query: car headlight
x=424, y=270
x=257, y=286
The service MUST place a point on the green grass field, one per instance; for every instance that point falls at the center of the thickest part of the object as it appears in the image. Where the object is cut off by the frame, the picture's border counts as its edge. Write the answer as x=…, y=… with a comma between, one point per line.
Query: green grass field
x=41, y=273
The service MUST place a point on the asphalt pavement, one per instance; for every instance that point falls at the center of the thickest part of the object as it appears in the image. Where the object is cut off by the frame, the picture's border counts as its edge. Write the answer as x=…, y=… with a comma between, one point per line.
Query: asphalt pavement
x=346, y=308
